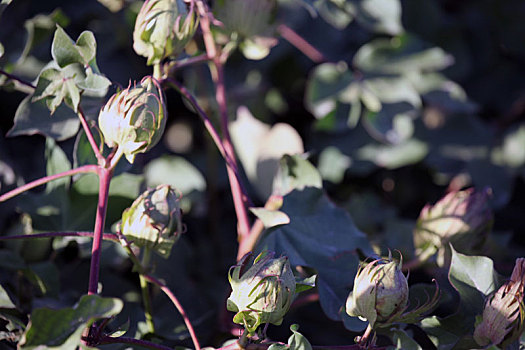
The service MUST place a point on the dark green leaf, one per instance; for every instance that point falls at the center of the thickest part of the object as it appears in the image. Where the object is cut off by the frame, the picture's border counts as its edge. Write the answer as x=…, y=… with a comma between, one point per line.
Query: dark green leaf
x=54, y=329
x=323, y=237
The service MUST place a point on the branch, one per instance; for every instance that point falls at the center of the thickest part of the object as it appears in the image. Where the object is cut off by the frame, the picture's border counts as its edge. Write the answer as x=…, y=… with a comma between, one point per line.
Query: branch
x=91, y=139
x=107, y=236
x=179, y=307
x=15, y=78
x=220, y=96
x=302, y=45
x=187, y=62
x=104, y=176
x=213, y=133
x=46, y=179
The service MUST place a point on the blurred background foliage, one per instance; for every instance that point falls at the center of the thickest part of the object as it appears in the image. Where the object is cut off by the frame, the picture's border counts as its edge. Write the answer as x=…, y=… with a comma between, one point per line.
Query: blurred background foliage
x=409, y=99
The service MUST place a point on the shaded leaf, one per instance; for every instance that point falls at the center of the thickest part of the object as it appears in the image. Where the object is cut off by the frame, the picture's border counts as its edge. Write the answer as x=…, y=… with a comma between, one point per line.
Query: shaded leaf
x=323, y=237
x=62, y=329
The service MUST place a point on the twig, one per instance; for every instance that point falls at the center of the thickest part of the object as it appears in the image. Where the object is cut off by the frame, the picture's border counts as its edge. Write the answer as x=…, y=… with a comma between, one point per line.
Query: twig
x=126, y=340
x=91, y=139
x=15, y=78
x=302, y=45
x=107, y=236
x=179, y=307
x=220, y=96
x=213, y=133
x=146, y=298
x=46, y=179
x=104, y=176
x=187, y=62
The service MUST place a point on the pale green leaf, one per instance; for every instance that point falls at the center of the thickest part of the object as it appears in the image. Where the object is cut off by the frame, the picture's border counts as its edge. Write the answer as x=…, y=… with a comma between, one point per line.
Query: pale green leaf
x=5, y=300
x=270, y=218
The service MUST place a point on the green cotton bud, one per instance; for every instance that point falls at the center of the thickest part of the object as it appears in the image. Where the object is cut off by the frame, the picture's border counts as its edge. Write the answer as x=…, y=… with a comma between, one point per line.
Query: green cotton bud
x=134, y=119
x=380, y=292
x=503, y=319
x=262, y=294
x=462, y=218
x=154, y=220
x=163, y=28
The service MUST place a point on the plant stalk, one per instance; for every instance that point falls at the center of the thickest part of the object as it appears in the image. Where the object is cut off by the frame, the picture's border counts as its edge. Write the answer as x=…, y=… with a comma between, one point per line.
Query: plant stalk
x=104, y=176
x=81, y=170
x=146, y=298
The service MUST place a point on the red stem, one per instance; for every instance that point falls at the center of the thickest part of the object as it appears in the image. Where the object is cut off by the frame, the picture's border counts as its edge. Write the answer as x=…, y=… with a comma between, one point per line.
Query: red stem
x=106, y=236
x=220, y=95
x=179, y=307
x=91, y=139
x=104, y=176
x=46, y=179
x=302, y=45
x=15, y=78
x=213, y=133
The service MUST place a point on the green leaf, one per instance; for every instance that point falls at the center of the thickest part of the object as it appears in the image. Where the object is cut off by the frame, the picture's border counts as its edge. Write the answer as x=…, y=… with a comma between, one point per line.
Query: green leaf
x=56, y=86
x=5, y=300
x=393, y=89
x=474, y=278
x=402, y=54
x=297, y=341
x=321, y=236
x=40, y=28
x=96, y=84
x=394, y=156
x=295, y=172
x=325, y=82
x=380, y=16
x=338, y=13
x=176, y=172
x=402, y=339
x=270, y=218
x=332, y=164
x=34, y=118
x=65, y=51
x=62, y=329
x=56, y=162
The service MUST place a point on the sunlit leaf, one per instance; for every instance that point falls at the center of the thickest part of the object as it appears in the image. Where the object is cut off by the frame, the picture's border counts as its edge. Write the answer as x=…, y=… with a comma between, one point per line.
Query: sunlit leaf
x=62, y=328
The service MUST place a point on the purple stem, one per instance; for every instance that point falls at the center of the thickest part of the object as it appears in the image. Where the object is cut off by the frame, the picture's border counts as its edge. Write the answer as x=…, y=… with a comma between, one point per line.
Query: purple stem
x=106, y=236
x=302, y=45
x=179, y=307
x=91, y=139
x=46, y=179
x=104, y=176
x=15, y=78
